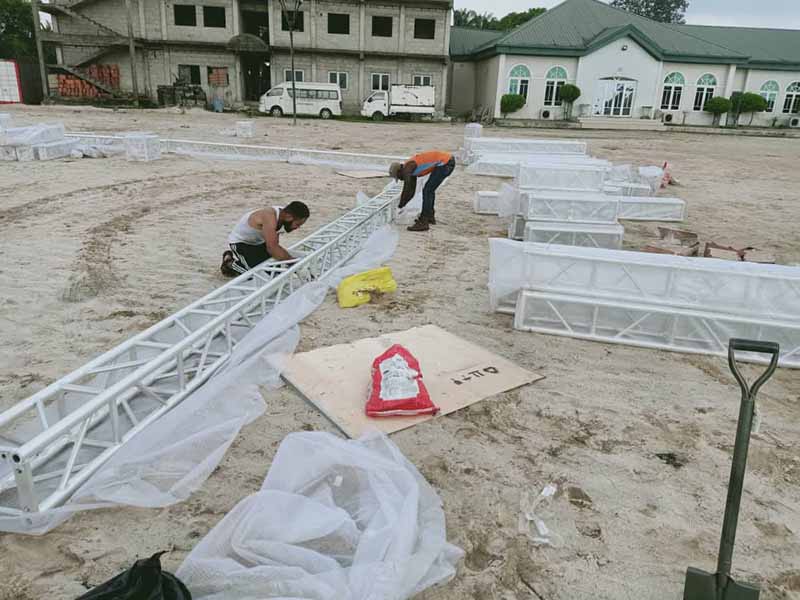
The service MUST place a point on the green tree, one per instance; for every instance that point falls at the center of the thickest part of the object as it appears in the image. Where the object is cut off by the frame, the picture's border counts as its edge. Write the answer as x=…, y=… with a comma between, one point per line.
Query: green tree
x=666, y=11
x=718, y=106
x=16, y=30
x=463, y=17
x=515, y=19
x=569, y=93
x=511, y=103
x=747, y=102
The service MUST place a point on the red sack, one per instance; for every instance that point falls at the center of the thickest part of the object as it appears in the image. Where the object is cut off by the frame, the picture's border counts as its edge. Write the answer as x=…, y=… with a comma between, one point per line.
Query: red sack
x=397, y=389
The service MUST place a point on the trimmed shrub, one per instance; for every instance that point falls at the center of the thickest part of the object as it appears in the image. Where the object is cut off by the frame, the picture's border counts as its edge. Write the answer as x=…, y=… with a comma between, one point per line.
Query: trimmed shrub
x=511, y=103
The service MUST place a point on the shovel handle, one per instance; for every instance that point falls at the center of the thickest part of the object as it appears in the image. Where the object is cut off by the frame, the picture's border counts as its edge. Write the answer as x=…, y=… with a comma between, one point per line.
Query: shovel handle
x=740, y=345
x=741, y=447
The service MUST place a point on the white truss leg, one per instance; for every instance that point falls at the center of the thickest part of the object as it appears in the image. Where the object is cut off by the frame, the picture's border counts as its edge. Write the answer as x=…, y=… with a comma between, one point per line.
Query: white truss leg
x=52, y=442
x=651, y=326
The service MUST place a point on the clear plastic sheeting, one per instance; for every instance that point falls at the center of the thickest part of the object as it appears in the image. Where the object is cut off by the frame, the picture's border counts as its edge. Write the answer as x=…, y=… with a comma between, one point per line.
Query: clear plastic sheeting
x=507, y=165
x=334, y=520
x=300, y=156
x=652, y=326
x=506, y=273
x=35, y=134
x=473, y=130
x=167, y=461
x=142, y=146
x=582, y=207
x=224, y=151
x=508, y=201
x=643, y=208
x=592, y=235
x=486, y=203
x=561, y=177
x=487, y=145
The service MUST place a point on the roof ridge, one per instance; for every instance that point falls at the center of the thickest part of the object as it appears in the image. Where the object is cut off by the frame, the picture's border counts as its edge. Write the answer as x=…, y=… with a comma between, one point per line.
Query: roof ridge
x=737, y=27
x=547, y=12
x=670, y=26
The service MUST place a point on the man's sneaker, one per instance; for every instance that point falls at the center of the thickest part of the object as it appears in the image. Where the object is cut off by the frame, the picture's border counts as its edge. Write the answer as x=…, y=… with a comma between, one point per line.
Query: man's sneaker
x=432, y=219
x=227, y=261
x=421, y=224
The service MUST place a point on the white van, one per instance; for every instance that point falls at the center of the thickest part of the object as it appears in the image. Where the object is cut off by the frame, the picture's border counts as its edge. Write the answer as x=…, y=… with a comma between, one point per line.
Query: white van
x=320, y=99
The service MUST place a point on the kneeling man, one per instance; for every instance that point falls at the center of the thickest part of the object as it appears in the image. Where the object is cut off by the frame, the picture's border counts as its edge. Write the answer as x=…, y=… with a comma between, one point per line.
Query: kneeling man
x=255, y=237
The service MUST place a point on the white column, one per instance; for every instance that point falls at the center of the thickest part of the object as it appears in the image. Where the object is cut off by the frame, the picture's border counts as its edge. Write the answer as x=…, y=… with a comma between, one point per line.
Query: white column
x=729, y=81
x=312, y=17
x=656, y=96
x=270, y=23
x=501, y=82
x=163, y=6
x=235, y=20
x=448, y=20
x=362, y=27
x=443, y=91
x=142, y=28
x=401, y=30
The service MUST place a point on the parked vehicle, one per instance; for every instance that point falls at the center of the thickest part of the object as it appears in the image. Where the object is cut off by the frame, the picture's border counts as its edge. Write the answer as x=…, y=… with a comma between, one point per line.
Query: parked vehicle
x=320, y=99
x=401, y=99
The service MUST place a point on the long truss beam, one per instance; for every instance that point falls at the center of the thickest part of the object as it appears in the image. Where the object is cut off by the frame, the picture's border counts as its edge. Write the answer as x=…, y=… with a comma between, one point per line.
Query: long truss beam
x=53, y=441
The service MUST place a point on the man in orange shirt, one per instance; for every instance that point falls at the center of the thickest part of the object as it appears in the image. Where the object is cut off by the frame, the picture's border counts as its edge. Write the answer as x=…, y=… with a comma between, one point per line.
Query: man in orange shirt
x=435, y=163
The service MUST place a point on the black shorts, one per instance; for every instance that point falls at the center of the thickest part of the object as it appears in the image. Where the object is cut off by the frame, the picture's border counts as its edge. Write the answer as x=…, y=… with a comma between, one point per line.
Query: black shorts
x=247, y=256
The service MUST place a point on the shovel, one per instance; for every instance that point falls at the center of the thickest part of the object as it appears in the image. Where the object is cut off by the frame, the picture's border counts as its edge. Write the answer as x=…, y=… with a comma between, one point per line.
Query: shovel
x=701, y=585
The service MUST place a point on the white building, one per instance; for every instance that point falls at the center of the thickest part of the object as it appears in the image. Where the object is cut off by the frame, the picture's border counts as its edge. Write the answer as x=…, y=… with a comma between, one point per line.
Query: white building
x=626, y=66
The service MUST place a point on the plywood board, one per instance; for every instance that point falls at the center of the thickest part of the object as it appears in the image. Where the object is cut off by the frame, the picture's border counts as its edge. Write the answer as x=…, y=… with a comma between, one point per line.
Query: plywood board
x=457, y=373
x=363, y=174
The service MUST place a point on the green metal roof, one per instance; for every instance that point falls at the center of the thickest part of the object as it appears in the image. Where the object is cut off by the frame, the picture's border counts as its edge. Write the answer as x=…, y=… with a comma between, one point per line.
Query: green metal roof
x=464, y=40
x=577, y=27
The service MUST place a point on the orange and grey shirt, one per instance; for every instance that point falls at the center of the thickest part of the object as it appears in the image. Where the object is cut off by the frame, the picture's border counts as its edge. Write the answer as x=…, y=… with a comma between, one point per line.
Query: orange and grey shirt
x=428, y=161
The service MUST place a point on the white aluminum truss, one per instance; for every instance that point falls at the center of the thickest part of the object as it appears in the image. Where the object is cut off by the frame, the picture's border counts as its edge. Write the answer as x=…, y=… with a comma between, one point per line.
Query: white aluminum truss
x=477, y=146
x=562, y=177
x=486, y=203
x=253, y=152
x=52, y=442
x=592, y=235
x=752, y=290
x=643, y=208
x=651, y=325
x=627, y=188
x=580, y=207
x=507, y=165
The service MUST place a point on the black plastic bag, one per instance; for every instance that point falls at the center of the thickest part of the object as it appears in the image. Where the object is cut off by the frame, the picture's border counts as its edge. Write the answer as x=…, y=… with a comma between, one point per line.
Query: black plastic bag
x=143, y=581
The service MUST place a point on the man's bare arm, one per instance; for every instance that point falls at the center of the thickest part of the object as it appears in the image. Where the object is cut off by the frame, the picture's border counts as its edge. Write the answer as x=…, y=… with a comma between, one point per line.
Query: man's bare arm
x=269, y=226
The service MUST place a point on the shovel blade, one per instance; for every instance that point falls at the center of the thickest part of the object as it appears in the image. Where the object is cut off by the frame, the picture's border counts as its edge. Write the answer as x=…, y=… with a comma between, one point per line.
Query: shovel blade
x=701, y=585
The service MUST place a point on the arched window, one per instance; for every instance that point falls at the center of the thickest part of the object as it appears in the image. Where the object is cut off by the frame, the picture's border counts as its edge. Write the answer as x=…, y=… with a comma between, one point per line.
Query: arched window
x=770, y=92
x=556, y=78
x=673, y=90
x=705, y=91
x=519, y=81
x=792, y=103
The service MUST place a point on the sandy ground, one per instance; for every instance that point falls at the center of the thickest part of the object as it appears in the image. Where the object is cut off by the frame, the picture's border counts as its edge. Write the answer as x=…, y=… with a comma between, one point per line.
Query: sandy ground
x=94, y=251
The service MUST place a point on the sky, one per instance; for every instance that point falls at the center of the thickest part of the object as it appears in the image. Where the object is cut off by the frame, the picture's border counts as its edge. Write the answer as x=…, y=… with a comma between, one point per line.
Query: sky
x=764, y=13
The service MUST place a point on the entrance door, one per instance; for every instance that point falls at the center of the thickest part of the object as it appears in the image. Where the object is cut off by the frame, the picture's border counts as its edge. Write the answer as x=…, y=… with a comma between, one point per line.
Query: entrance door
x=614, y=98
x=256, y=75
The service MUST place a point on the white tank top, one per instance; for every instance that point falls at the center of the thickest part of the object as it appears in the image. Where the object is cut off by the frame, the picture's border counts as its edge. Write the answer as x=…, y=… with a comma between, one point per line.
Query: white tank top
x=245, y=234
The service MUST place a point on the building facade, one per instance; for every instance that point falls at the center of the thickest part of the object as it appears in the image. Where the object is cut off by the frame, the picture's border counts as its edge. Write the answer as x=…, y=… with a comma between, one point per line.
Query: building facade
x=238, y=49
x=364, y=46
x=626, y=66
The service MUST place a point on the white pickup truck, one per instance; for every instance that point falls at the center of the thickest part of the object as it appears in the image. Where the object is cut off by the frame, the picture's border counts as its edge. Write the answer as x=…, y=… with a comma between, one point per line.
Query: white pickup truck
x=401, y=99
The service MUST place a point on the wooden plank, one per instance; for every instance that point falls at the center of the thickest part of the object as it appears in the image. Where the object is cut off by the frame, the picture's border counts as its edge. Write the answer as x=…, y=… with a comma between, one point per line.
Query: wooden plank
x=457, y=373
x=363, y=174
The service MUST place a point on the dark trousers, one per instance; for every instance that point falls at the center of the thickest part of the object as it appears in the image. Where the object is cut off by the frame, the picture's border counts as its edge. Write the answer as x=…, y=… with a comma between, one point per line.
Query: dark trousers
x=247, y=256
x=437, y=177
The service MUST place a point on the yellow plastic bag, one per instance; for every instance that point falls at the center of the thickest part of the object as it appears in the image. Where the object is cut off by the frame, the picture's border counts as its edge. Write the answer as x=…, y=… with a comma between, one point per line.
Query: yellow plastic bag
x=356, y=289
